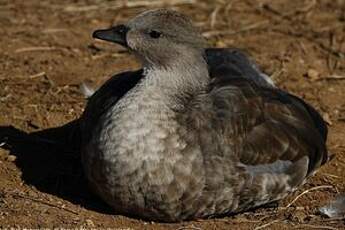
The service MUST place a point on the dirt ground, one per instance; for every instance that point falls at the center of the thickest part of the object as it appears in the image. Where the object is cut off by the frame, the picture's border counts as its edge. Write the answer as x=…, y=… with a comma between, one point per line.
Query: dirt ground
x=46, y=52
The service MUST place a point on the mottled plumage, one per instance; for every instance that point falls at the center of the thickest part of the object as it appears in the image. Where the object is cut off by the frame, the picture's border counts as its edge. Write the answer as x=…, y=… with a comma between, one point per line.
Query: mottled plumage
x=197, y=133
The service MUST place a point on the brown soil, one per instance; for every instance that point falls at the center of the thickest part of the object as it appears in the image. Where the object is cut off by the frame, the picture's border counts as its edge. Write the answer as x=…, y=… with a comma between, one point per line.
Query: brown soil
x=46, y=51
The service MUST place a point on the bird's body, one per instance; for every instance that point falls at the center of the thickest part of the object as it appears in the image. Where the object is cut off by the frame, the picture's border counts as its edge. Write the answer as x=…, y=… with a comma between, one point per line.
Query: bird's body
x=201, y=135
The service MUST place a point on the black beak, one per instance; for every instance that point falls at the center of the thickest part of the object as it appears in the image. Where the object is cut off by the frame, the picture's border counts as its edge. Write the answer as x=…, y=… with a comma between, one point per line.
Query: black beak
x=115, y=34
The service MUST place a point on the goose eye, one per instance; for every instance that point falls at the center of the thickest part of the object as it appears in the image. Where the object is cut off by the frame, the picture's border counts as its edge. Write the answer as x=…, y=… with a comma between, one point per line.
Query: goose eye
x=155, y=34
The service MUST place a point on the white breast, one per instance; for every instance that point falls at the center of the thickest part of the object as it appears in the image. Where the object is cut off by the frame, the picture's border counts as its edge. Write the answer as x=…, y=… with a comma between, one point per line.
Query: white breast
x=137, y=158
x=140, y=132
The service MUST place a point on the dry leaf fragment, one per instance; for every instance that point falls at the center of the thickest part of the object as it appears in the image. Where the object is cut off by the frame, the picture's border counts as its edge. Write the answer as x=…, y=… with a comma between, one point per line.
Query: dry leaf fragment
x=313, y=74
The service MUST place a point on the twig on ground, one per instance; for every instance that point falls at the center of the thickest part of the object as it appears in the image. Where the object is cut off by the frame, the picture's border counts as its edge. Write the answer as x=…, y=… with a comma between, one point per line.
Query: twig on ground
x=54, y=30
x=45, y=203
x=333, y=77
x=307, y=191
x=191, y=227
x=227, y=10
x=333, y=219
x=116, y=5
x=41, y=74
x=304, y=226
x=266, y=225
x=330, y=175
x=38, y=48
x=100, y=56
x=301, y=44
x=213, y=16
x=294, y=208
x=231, y=32
x=276, y=74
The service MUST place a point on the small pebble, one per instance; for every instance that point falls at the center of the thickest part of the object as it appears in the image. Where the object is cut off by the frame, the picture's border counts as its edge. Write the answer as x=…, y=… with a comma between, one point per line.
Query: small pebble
x=90, y=223
x=313, y=74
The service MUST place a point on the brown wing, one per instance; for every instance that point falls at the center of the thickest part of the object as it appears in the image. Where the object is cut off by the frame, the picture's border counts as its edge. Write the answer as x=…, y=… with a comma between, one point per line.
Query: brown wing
x=271, y=125
x=257, y=143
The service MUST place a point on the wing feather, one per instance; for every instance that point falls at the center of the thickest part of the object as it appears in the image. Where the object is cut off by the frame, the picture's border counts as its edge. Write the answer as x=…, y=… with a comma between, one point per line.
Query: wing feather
x=270, y=124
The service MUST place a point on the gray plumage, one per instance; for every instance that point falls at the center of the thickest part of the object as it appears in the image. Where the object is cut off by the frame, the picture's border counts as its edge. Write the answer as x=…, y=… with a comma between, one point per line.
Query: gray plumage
x=198, y=132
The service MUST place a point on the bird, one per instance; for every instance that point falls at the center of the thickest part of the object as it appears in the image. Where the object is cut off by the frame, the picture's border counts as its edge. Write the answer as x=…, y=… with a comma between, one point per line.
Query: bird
x=197, y=132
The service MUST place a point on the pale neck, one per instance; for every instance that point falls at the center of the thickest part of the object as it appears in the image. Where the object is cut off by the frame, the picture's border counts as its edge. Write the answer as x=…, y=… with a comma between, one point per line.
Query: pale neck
x=187, y=75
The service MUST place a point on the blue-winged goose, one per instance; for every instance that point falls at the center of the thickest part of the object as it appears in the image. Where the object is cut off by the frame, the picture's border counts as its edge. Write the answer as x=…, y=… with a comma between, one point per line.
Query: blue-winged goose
x=198, y=132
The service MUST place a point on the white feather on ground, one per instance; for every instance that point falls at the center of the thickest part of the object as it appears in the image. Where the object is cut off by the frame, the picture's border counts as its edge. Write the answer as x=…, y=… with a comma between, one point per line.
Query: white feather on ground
x=335, y=208
x=86, y=90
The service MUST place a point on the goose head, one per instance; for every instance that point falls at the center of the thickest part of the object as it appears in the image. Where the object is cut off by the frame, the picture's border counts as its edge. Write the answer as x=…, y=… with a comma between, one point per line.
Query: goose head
x=157, y=37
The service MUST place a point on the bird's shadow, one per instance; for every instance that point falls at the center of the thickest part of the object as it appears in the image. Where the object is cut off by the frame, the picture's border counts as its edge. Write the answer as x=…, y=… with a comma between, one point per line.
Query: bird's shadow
x=50, y=160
